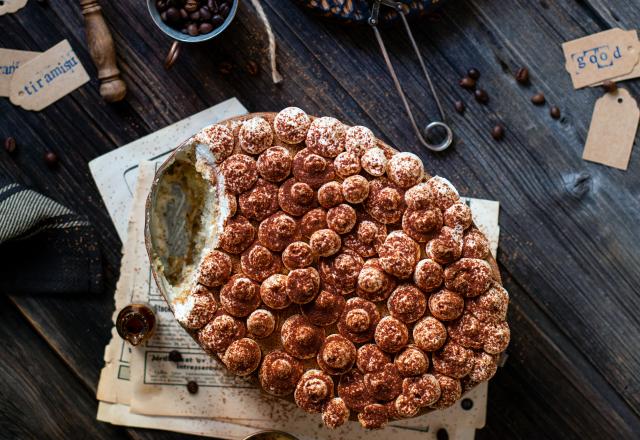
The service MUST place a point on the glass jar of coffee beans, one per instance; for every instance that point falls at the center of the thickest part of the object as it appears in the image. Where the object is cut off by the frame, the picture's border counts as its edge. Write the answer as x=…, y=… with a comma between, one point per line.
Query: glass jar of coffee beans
x=194, y=17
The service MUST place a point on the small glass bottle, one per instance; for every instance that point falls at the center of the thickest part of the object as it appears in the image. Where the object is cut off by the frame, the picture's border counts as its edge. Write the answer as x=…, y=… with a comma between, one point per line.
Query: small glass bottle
x=136, y=323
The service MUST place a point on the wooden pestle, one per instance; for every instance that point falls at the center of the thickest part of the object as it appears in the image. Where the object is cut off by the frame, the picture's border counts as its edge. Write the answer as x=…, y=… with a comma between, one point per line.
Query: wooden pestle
x=103, y=52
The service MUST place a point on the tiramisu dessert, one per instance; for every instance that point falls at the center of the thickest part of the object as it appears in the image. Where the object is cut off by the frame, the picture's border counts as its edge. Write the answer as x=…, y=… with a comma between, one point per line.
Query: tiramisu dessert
x=332, y=269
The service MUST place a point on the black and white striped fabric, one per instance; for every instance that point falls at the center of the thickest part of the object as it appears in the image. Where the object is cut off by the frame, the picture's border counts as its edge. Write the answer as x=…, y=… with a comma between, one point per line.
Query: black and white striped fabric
x=44, y=246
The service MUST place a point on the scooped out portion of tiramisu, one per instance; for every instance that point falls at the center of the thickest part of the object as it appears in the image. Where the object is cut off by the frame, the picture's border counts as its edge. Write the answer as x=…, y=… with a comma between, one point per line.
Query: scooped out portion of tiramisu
x=327, y=266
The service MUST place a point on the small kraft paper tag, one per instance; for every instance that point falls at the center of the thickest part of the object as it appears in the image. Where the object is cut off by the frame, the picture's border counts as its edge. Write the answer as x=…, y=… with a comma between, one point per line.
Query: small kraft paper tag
x=10, y=60
x=613, y=129
x=10, y=6
x=598, y=57
x=47, y=78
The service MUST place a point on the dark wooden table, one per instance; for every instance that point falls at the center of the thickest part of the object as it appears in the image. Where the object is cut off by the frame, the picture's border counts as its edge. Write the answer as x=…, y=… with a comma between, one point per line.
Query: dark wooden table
x=569, y=250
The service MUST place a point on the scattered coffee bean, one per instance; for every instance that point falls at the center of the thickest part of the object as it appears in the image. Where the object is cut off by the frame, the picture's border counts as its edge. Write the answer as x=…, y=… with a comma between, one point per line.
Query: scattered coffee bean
x=459, y=106
x=466, y=404
x=609, y=86
x=473, y=73
x=192, y=387
x=51, y=158
x=538, y=99
x=10, y=144
x=194, y=17
x=498, y=132
x=252, y=68
x=554, y=111
x=481, y=96
x=468, y=83
x=225, y=67
x=522, y=75
x=175, y=356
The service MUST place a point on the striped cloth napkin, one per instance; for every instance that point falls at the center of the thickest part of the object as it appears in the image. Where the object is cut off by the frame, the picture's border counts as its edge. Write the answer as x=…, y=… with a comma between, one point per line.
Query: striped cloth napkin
x=44, y=246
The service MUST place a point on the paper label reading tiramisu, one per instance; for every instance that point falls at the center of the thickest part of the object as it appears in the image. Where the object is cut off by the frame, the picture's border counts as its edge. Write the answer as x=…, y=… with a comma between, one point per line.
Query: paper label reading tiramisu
x=10, y=61
x=47, y=78
x=598, y=57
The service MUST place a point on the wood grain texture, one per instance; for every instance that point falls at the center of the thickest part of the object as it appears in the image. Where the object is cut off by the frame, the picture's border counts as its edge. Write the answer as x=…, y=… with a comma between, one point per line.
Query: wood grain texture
x=569, y=228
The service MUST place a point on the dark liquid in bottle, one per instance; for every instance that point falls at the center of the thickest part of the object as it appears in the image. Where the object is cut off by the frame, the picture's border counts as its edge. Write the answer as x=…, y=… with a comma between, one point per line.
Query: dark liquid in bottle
x=136, y=323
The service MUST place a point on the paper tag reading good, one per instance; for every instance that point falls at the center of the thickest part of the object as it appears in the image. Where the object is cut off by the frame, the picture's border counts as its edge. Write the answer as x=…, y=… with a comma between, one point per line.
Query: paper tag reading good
x=9, y=6
x=47, y=78
x=601, y=56
x=613, y=130
x=10, y=60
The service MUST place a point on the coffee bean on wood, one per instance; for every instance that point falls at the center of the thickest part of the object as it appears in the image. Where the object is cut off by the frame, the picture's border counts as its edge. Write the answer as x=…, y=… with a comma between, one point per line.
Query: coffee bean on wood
x=10, y=144
x=194, y=17
x=522, y=75
x=468, y=83
x=481, y=96
x=538, y=99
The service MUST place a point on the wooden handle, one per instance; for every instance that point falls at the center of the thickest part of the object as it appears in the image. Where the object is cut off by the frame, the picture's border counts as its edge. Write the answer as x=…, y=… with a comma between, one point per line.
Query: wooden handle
x=103, y=52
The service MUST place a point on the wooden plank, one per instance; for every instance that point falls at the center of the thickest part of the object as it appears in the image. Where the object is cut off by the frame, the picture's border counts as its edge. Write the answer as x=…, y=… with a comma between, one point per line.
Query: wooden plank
x=572, y=278
x=40, y=397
